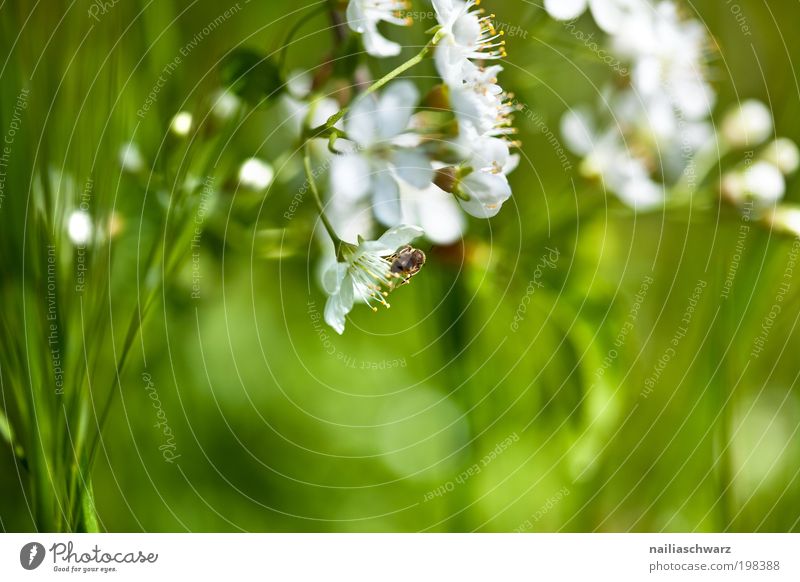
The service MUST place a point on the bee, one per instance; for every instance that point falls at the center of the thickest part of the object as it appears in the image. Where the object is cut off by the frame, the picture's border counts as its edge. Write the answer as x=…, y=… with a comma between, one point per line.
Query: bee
x=406, y=263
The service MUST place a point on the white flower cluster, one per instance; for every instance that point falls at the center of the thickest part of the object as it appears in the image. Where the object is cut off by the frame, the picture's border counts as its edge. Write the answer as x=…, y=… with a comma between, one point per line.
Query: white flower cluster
x=652, y=138
x=609, y=14
x=394, y=162
x=761, y=177
x=402, y=166
x=651, y=129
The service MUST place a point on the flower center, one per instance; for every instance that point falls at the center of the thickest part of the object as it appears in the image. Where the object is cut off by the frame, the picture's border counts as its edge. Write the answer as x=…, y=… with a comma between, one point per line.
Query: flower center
x=477, y=33
x=373, y=278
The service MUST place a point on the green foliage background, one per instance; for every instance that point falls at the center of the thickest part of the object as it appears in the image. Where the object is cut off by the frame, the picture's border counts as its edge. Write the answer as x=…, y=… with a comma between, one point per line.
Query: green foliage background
x=281, y=425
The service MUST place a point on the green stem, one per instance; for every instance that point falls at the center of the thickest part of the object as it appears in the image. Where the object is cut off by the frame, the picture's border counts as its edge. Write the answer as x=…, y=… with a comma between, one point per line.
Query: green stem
x=377, y=85
x=133, y=330
x=327, y=130
x=312, y=184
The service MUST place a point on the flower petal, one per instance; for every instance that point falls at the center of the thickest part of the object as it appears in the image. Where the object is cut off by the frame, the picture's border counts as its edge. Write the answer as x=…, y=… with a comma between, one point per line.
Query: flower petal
x=350, y=177
x=332, y=277
x=444, y=9
x=360, y=123
x=764, y=182
x=467, y=29
x=323, y=110
x=399, y=236
x=338, y=306
x=511, y=164
x=487, y=192
x=450, y=64
x=642, y=194
x=335, y=315
x=578, y=131
x=386, y=198
x=395, y=107
x=378, y=45
x=413, y=167
x=565, y=9
x=351, y=219
x=610, y=15
x=356, y=17
x=436, y=211
x=490, y=153
x=359, y=20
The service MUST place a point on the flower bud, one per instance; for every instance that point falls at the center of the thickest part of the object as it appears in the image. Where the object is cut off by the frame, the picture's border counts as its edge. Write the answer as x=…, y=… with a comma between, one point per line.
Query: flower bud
x=764, y=182
x=130, y=158
x=447, y=179
x=733, y=187
x=79, y=227
x=591, y=167
x=438, y=98
x=786, y=219
x=255, y=174
x=783, y=154
x=749, y=124
x=181, y=124
x=225, y=104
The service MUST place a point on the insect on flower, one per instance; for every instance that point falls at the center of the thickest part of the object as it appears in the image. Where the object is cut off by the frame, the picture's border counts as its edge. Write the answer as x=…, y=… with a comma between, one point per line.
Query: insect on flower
x=406, y=263
x=368, y=272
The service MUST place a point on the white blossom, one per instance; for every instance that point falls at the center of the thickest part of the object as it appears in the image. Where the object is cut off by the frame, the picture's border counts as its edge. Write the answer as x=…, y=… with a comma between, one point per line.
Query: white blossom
x=760, y=182
x=181, y=124
x=660, y=135
x=478, y=101
x=464, y=34
x=363, y=17
x=130, y=158
x=435, y=211
x=609, y=14
x=79, y=227
x=483, y=192
x=255, y=174
x=297, y=108
x=748, y=124
x=383, y=153
x=224, y=104
x=783, y=154
x=484, y=188
x=786, y=219
x=669, y=56
x=363, y=274
x=606, y=157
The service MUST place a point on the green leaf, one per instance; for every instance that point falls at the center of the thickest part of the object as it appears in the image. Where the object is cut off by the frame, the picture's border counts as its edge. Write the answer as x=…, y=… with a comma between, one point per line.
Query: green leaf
x=88, y=511
x=7, y=432
x=5, y=428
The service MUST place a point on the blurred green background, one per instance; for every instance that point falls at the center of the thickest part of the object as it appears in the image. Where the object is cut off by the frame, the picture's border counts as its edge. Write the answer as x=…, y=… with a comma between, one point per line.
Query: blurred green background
x=440, y=414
